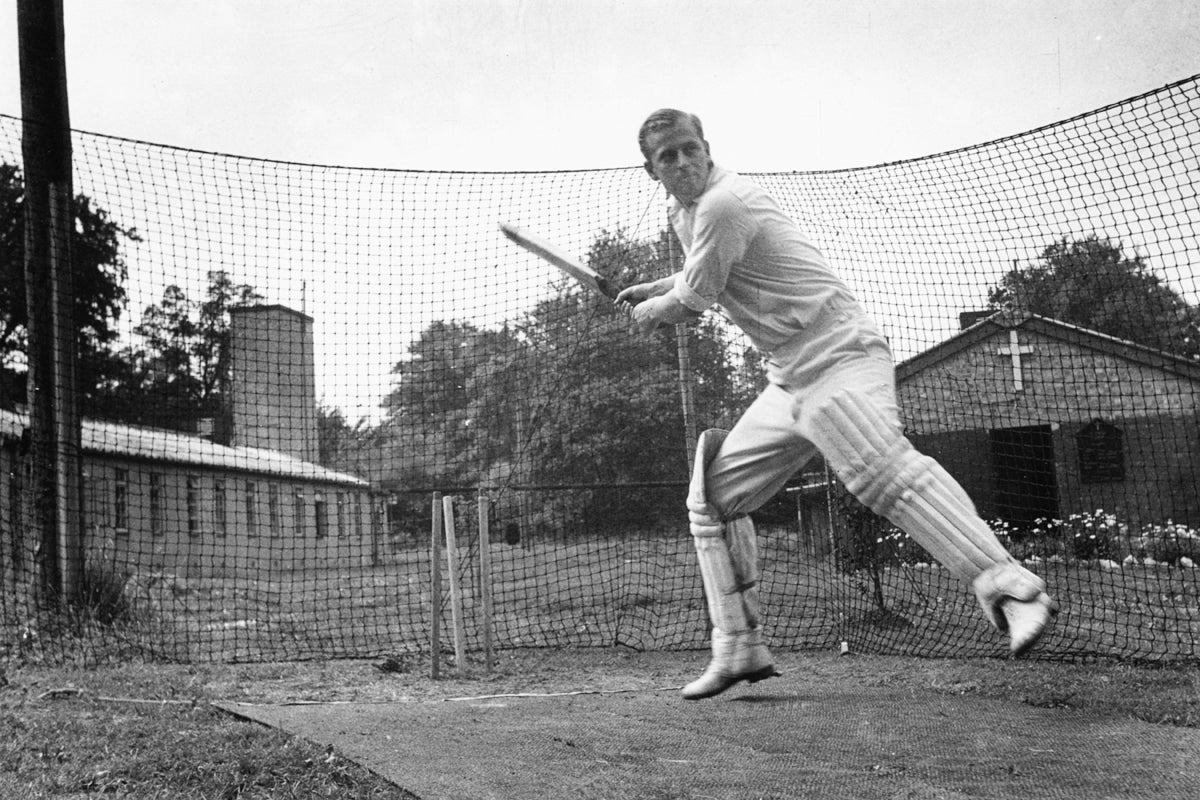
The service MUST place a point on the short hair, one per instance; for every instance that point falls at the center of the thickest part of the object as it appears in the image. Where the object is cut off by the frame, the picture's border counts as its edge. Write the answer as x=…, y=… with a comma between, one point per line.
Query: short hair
x=663, y=119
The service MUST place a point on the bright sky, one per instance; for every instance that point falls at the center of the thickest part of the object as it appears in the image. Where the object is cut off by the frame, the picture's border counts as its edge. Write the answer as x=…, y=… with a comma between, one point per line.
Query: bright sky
x=563, y=84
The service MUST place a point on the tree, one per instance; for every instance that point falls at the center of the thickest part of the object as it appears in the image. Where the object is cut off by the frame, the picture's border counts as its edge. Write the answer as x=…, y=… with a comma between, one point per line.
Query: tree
x=604, y=404
x=343, y=447
x=1091, y=283
x=450, y=395
x=99, y=273
x=566, y=394
x=182, y=371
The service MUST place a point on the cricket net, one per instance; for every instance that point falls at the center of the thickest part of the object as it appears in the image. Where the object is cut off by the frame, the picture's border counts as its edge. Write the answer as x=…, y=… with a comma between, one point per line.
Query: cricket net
x=285, y=369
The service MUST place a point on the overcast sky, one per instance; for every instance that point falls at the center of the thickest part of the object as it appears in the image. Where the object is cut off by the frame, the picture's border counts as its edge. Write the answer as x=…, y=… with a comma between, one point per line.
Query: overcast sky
x=564, y=84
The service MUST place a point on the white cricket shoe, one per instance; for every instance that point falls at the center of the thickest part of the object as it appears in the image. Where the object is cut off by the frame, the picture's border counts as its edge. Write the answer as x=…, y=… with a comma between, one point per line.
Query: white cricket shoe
x=1016, y=602
x=737, y=657
x=1027, y=621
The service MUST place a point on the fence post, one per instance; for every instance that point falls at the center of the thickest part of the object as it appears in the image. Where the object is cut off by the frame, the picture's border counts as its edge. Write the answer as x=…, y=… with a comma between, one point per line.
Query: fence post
x=485, y=575
x=54, y=418
x=456, y=602
x=435, y=589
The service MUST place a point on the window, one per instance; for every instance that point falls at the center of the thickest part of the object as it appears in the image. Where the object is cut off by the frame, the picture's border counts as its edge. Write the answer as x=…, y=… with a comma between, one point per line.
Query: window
x=121, y=500
x=251, y=508
x=273, y=508
x=193, y=505
x=358, y=516
x=220, y=508
x=341, y=515
x=1101, y=448
x=157, y=519
x=319, y=515
x=299, y=511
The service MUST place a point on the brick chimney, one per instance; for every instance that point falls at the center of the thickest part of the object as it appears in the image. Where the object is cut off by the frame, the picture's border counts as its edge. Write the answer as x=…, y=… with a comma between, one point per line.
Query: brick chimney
x=274, y=387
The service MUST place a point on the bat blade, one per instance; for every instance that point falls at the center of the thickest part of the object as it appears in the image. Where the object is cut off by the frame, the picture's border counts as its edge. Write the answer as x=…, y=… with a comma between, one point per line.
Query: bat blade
x=573, y=267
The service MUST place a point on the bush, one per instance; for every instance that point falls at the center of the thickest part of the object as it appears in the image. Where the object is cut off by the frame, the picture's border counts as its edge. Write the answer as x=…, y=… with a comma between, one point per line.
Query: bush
x=871, y=541
x=1098, y=535
x=102, y=595
x=1093, y=536
x=1167, y=543
x=1043, y=541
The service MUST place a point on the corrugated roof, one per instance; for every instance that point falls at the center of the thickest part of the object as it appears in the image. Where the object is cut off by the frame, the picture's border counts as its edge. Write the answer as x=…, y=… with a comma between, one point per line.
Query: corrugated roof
x=154, y=444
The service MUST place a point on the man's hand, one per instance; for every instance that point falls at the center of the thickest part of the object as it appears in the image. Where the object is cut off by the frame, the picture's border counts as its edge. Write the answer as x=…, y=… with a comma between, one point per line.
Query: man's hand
x=652, y=304
x=633, y=295
x=645, y=314
x=636, y=302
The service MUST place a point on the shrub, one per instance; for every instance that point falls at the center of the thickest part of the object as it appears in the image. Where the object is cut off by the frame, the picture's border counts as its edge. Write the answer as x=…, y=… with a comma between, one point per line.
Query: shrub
x=1098, y=535
x=1042, y=541
x=1093, y=536
x=871, y=542
x=102, y=594
x=1167, y=543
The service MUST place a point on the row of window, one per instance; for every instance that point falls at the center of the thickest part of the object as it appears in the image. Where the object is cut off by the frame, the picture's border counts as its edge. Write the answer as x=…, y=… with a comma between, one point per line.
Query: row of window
x=351, y=511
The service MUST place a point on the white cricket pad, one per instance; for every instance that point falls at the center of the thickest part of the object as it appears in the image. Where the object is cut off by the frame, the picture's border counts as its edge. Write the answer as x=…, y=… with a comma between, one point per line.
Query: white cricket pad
x=706, y=450
x=886, y=473
x=725, y=606
x=742, y=540
x=727, y=552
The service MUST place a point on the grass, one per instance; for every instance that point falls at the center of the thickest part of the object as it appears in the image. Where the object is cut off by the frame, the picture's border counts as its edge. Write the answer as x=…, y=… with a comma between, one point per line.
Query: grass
x=146, y=732
x=125, y=728
x=149, y=731
x=641, y=593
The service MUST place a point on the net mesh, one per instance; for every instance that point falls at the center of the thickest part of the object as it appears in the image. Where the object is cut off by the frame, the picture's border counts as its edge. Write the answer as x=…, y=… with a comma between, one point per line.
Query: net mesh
x=285, y=367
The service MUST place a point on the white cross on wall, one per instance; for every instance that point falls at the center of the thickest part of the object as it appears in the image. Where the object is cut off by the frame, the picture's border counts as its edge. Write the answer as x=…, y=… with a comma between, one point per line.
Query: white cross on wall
x=1016, y=350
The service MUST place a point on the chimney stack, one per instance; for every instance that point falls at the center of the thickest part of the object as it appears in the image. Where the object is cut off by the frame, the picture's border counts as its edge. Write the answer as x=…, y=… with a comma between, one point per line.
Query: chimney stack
x=274, y=388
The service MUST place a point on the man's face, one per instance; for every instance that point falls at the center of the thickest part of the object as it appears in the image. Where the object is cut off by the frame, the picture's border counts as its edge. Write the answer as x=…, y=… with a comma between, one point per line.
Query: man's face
x=679, y=158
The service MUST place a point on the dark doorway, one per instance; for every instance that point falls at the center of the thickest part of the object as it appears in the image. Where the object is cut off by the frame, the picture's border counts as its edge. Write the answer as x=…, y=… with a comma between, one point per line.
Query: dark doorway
x=1023, y=462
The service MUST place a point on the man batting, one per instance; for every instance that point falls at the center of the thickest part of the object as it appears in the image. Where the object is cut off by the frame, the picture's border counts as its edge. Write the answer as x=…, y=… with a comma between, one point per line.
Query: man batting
x=831, y=391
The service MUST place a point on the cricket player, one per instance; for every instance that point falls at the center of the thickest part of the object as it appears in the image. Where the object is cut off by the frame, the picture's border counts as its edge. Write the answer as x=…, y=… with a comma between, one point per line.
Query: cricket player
x=831, y=391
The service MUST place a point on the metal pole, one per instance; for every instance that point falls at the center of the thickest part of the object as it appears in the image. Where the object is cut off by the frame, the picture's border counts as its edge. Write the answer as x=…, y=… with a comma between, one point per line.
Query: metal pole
x=687, y=396
x=687, y=380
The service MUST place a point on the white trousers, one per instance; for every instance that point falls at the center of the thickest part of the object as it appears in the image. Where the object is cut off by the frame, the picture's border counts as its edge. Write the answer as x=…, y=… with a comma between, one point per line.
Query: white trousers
x=835, y=393
x=841, y=350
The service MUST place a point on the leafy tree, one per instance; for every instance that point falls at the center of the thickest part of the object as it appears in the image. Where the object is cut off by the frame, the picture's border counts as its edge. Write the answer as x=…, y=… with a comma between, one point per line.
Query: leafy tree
x=99, y=273
x=183, y=368
x=603, y=404
x=567, y=394
x=333, y=436
x=1092, y=283
x=344, y=447
x=455, y=393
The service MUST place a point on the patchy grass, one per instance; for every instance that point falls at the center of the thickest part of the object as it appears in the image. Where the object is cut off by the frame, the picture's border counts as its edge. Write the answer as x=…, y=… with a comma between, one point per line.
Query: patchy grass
x=642, y=593
x=1156, y=694
x=149, y=731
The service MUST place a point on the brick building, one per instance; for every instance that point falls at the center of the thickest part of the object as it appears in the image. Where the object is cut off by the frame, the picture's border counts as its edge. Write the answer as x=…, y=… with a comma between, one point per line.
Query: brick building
x=1041, y=419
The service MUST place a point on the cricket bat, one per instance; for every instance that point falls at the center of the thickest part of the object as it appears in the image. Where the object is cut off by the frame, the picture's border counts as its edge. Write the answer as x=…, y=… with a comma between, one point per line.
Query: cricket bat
x=572, y=266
